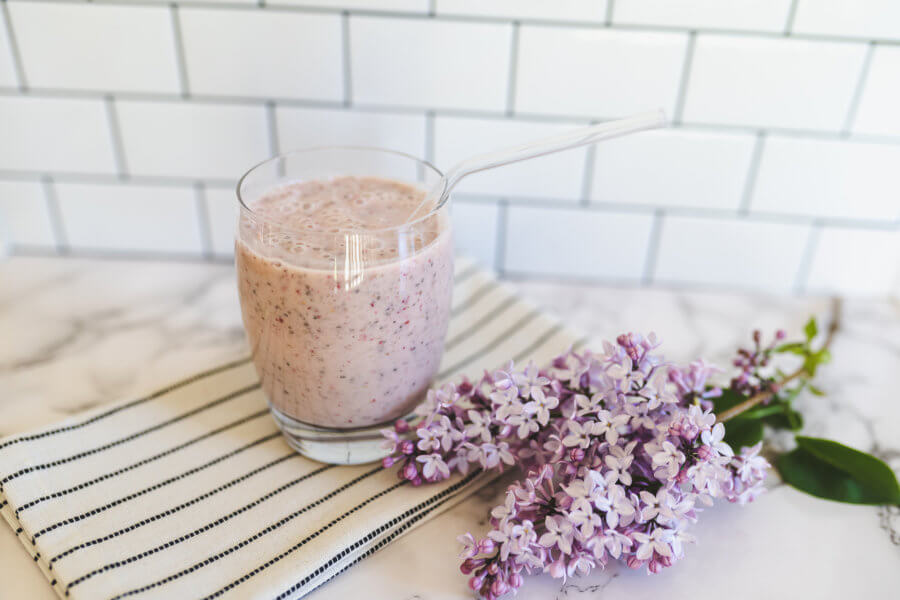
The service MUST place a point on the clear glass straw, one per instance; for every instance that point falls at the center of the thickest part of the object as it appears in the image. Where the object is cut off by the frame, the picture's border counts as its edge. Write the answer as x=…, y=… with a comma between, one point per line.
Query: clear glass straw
x=438, y=194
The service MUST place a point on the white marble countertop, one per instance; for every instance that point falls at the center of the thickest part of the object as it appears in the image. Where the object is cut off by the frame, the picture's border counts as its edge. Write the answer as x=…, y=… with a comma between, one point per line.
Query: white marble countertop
x=78, y=333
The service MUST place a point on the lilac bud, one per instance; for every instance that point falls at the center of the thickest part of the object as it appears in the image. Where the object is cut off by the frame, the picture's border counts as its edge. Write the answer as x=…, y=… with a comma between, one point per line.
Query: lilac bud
x=557, y=569
x=704, y=453
x=655, y=566
x=486, y=546
x=515, y=580
x=416, y=482
x=467, y=566
x=409, y=471
x=576, y=454
x=406, y=447
x=401, y=426
x=780, y=334
x=475, y=582
x=493, y=568
x=499, y=587
x=387, y=462
x=634, y=562
x=757, y=335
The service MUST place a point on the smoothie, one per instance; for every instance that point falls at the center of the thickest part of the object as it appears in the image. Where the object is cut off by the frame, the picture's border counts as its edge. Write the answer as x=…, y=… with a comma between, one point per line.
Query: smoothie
x=346, y=313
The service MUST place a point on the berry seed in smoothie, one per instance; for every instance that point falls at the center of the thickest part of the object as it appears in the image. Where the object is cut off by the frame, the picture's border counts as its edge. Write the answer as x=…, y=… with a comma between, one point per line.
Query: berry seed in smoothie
x=345, y=307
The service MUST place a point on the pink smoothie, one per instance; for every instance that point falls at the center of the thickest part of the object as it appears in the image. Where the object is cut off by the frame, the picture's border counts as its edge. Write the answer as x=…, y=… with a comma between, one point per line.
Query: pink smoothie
x=346, y=318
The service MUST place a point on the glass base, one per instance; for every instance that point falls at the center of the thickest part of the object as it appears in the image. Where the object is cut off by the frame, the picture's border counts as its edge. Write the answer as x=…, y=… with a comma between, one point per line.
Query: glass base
x=332, y=446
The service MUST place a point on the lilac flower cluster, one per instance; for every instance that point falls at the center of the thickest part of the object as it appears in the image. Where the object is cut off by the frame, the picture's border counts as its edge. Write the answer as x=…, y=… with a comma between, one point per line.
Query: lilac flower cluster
x=620, y=452
x=753, y=363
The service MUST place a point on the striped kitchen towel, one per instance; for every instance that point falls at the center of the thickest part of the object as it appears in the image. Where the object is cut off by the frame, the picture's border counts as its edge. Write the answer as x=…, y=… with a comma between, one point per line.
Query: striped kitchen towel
x=190, y=491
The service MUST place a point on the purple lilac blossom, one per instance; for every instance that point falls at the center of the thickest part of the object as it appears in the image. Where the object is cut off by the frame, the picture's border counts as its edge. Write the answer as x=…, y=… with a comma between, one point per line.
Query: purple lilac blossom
x=620, y=452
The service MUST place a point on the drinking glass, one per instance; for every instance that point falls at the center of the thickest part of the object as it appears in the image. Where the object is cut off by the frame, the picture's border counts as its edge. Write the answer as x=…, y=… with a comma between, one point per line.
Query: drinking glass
x=346, y=326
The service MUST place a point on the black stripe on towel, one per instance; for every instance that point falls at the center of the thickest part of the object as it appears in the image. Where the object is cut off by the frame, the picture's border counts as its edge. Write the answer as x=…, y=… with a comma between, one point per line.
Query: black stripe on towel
x=474, y=297
x=207, y=527
x=538, y=343
x=128, y=438
x=495, y=312
x=175, y=509
x=441, y=496
x=120, y=408
x=140, y=463
x=465, y=274
x=155, y=486
x=269, y=529
x=499, y=339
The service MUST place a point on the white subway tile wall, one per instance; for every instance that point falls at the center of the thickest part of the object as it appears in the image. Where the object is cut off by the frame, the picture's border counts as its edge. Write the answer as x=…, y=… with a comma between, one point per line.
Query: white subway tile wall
x=577, y=244
x=832, y=179
x=876, y=19
x=55, y=135
x=222, y=211
x=261, y=54
x=428, y=63
x=475, y=229
x=24, y=214
x=99, y=216
x=733, y=252
x=68, y=46
x=414, y=6
x=749, y=15
x=192, y=139
x=674, y=168
x=863, y=261
x=878, y=107
x=8, y=77
x=592, y=11
x=597, y=72
x=123, y=127
x=556, y=176
x=307, y=127
x=772, y=82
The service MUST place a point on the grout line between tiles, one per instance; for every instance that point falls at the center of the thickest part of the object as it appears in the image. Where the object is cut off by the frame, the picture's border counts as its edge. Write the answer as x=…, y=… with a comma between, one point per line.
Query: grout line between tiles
x=685, y=78
x=115, y=134
x=513, y=69
x=573, y=119
x=610, y=9
x=181, y=61
x=587, y=182
x=858, y=91
x=18, y=65
x=272, y=127
x=650, y=260
x=806, y=260
x=399, y=14
x=203, y=220
x=545, y=202
x=429, y=137
x=56, y=219
x=501, y=234
x=346, y=59
x=752, y=174
x=792, y=14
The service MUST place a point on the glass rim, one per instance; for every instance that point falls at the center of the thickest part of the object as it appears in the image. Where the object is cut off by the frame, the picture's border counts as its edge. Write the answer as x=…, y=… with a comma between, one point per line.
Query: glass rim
x=444, y=197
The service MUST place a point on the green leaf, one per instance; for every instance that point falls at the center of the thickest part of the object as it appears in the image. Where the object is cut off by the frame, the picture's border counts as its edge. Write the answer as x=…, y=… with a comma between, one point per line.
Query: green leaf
x=815, y=391
x=741, y=432
x=728, y=399
x=787, y=419
x=811, y=329
x=792, y=347
x=830, y=470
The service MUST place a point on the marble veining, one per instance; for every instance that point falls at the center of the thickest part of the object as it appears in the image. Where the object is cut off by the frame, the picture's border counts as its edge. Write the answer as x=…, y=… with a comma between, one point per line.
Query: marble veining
x=78, y=333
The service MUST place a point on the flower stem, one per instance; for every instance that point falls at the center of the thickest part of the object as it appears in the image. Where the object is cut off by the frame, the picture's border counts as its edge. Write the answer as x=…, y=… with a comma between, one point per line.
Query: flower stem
x=756, y=399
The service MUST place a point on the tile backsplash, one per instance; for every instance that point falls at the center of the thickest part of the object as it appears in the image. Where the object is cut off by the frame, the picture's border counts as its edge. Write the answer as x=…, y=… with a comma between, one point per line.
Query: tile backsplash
x=124, y=125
